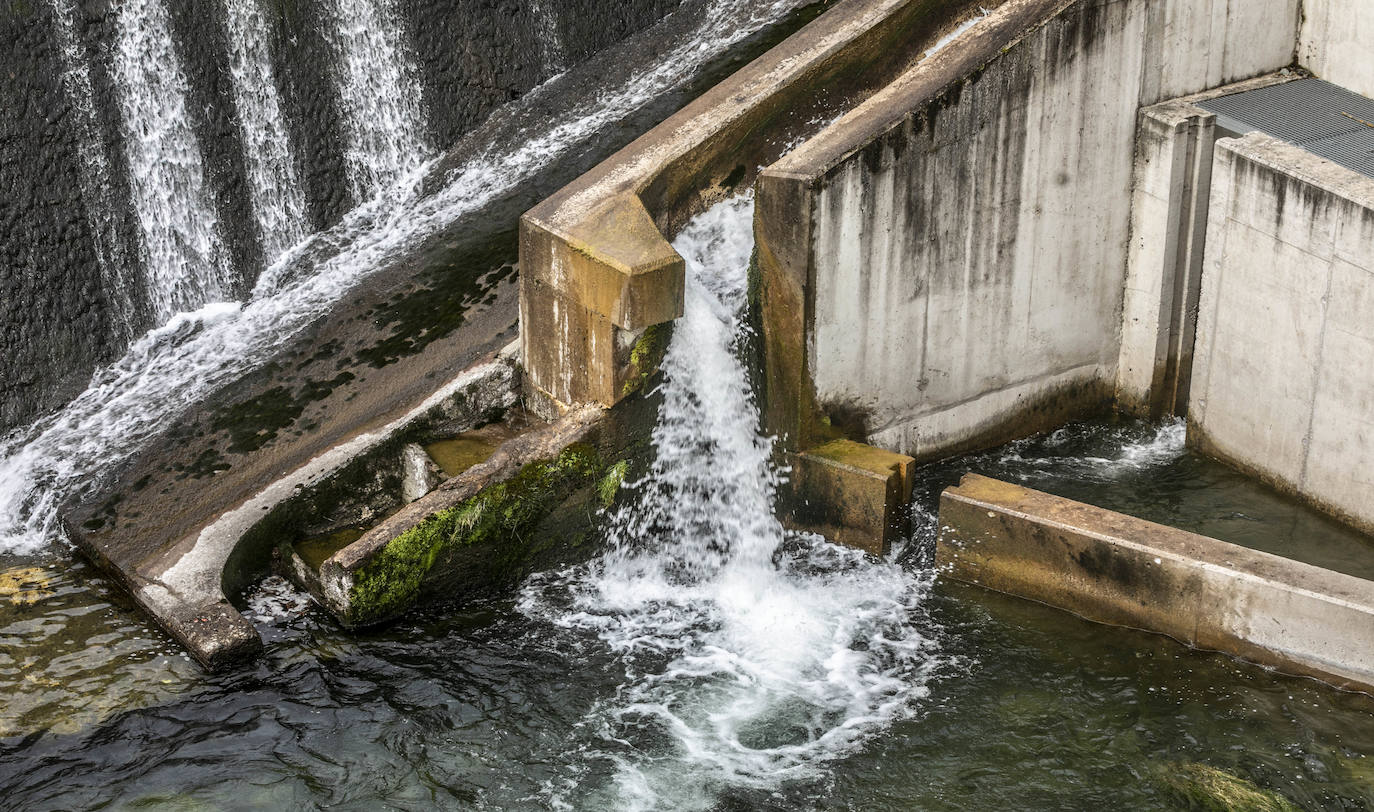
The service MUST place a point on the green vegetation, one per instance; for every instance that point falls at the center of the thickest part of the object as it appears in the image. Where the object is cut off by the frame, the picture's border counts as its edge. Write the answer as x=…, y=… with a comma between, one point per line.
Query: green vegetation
x=646, y=356
x=498, y=527
x=1214, y=790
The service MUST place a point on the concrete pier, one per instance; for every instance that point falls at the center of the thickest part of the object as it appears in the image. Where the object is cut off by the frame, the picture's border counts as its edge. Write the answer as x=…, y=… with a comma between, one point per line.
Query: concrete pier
x=1124, y=571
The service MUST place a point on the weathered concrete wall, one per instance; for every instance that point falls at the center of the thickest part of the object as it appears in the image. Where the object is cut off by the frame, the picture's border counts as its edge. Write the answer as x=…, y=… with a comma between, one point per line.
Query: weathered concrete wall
x=951, y=254
x=1125, y=571
x=596, y=271
x=1173, y=167
x=1335, y=40
x=1283, y=383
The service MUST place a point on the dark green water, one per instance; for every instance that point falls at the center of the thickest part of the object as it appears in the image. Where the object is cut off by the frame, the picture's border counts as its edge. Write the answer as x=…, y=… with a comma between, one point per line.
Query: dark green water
x=482, y=707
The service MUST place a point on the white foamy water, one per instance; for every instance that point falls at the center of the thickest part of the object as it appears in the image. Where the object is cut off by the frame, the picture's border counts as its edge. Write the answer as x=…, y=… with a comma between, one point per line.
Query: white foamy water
x=97, y=187
x=379, y=94
x=751, y=658
x=175, y=366
x=185, y=264
x=276, y=194
x=550, y=38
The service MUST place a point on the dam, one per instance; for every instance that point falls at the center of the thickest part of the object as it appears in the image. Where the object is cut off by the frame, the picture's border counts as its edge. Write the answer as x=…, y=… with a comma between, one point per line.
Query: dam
x=687, y=404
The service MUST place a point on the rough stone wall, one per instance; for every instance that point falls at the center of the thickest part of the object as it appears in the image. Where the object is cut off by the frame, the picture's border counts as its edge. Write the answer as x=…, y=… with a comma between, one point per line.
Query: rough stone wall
x=1334, y=42
x=966, y=262
x=61, y=311
x=1283, y=383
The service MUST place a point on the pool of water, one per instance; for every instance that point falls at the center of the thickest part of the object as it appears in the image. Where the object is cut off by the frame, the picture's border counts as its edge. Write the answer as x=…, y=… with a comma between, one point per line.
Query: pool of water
x=482, y=707
x=1146, y=471
x=702, y=659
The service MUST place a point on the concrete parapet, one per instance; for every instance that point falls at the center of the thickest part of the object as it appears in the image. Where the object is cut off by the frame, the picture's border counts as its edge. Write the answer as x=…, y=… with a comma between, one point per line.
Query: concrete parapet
x=1124, y=571
x=596, y=270
x=853, y=494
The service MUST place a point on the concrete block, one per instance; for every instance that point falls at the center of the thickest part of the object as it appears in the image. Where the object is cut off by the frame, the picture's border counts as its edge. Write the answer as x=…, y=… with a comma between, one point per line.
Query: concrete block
x=853, y=494
x=1116, y=569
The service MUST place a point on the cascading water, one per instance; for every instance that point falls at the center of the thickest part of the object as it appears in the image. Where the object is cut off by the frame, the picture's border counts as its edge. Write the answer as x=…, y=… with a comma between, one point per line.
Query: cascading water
x=751, y=656
x=184, y=259
x=175, y=366
x=379, y=96
x=550, y=40
x=278, y=200
x=97, y=185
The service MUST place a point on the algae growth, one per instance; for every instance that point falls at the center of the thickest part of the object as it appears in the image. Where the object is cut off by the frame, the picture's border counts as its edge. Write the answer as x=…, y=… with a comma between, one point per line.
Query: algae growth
x=500, y=526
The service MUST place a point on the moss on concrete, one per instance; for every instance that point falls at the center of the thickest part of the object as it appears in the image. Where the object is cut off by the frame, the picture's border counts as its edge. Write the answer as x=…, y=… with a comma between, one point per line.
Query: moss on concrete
x=646, y=356
x=1211, y=789
x=500, y=525
x=609, y=485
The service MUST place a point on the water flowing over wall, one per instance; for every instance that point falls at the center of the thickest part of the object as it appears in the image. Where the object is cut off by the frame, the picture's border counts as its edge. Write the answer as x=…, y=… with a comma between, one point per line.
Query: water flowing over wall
x=185, y=264
x=379, y=96
x=278, y=198
x=160, y=155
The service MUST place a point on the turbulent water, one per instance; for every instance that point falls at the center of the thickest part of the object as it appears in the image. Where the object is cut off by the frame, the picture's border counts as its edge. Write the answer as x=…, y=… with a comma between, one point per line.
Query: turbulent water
x=185, y=264
x=751, y=657
x=379, y=94
x=278, y=199
x=193, y=354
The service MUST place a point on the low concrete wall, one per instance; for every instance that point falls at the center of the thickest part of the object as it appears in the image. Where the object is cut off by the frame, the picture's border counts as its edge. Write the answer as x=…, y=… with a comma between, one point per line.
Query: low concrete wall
x=1283, y=380
x=1335, y=41
x=943, y=267
x=1117, y=569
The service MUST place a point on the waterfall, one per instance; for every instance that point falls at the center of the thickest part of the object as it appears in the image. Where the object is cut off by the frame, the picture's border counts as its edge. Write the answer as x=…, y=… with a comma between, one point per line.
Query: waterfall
x=97, y=187
x=751, y=656
x=177, y=365
x=185, y=264
x=551, y=48
x=379, y=95
x=278, y=200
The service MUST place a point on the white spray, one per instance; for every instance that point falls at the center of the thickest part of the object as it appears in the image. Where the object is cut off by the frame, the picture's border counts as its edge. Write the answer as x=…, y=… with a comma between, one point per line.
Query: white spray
x=757, y=656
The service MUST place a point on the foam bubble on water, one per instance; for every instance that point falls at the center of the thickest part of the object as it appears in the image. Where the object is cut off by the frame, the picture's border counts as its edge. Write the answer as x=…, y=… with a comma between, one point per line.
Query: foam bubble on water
x=752, y=656
x=175, y=367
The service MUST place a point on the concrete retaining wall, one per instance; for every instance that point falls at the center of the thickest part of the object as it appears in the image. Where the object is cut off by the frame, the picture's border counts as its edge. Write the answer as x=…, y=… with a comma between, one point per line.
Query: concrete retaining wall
x=1283, y=381
x=1334, y=42
x=1125, y=571
x=951, y=254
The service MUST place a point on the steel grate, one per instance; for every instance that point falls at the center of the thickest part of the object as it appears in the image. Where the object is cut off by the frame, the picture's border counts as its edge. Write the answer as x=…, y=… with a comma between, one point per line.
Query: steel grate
x=1323, y=118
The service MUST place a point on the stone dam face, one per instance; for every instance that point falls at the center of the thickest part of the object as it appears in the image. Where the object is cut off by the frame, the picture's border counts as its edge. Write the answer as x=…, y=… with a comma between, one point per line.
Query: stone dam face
x=283, y=116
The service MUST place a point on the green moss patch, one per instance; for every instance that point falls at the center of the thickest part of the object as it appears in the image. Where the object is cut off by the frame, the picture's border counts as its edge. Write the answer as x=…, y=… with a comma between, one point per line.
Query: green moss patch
x=487, y=539
x=1214, y=790
x=646, y=355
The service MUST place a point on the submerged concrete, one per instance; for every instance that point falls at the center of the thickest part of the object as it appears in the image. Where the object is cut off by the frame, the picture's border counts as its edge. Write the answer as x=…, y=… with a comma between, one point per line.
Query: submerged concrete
x=1124, y=571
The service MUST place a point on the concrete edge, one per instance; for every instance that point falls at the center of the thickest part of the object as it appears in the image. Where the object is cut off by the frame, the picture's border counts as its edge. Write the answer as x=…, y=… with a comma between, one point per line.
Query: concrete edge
x=1116, y=569
x=182, y=588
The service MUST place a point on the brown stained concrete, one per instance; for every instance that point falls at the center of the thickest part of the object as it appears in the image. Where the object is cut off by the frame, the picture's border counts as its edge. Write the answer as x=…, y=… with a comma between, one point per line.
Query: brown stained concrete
x=1116, y=569
x=786, y=195
x=853, y=494
x=596, y=267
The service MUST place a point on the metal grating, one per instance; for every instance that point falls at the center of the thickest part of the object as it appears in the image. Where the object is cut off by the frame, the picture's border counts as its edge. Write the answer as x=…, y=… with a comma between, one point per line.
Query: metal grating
x=1323, y=118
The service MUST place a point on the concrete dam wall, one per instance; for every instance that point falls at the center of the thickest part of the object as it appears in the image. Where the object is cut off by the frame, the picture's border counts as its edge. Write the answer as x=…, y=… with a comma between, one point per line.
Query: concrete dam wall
x=283, y=116
x=957, y=243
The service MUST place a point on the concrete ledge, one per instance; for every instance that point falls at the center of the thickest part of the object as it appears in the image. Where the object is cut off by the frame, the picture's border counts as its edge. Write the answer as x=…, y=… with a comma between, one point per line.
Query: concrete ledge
x=596, y=269
x=433, y=544
x=1116, y=569
x=853, y=494
x=184, y=586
